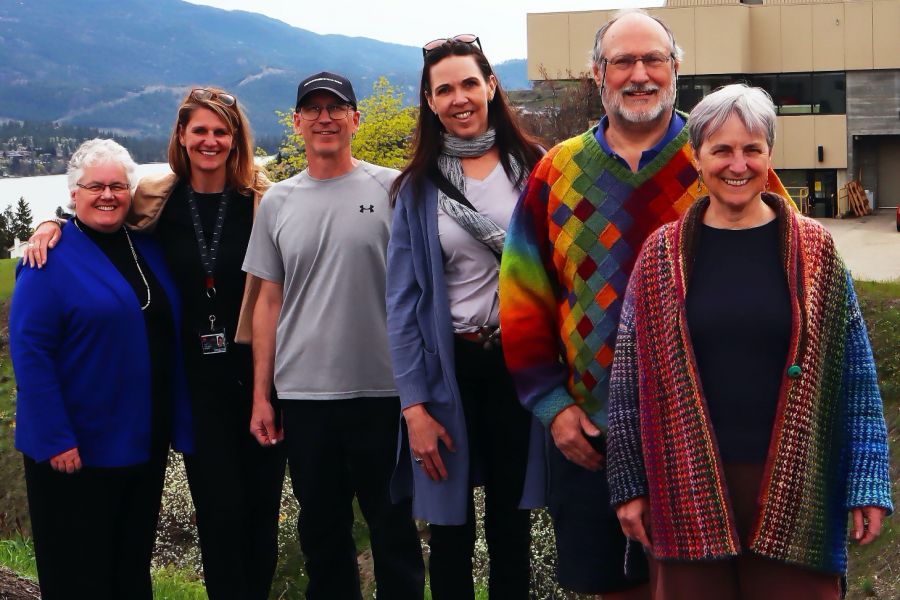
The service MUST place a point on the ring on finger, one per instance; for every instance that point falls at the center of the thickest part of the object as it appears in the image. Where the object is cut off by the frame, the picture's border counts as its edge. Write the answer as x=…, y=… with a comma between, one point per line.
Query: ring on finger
x=418, y=459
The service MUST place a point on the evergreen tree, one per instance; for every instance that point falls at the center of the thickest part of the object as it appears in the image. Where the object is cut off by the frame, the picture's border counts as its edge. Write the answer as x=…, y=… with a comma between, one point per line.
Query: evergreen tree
x=22, y=220
x=6, y=224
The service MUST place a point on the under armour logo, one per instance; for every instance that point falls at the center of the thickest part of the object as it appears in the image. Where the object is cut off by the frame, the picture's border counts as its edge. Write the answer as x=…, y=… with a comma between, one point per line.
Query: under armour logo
x=363, y=208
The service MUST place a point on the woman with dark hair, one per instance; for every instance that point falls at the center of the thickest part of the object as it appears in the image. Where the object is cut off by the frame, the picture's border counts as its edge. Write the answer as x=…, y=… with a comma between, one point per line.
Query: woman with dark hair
x=464, y=422
x=201, y=214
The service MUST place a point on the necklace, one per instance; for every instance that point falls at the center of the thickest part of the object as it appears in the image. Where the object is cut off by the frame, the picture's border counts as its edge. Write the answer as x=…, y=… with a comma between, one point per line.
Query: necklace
x=136, y=263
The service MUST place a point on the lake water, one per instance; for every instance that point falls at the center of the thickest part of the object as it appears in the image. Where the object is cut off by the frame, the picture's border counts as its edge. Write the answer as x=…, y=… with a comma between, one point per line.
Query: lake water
x=46, y=192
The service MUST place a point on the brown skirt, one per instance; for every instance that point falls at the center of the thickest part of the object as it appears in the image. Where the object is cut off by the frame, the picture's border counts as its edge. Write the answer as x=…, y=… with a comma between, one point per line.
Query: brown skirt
x=747, y=577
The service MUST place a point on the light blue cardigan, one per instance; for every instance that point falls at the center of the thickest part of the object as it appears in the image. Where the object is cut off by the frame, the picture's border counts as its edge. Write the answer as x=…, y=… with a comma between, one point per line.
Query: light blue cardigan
x=420, y=335
x=78, y=342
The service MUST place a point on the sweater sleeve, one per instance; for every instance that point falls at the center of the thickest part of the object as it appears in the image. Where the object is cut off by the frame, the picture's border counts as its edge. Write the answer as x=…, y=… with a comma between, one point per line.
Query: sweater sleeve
x=868, y=476
x=625, y=459
x=36, y=328
x=528, y=310
x=403, y=296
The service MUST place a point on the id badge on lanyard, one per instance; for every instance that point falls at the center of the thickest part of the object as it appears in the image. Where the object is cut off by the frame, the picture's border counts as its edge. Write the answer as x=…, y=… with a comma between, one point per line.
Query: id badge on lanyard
x=212, y=340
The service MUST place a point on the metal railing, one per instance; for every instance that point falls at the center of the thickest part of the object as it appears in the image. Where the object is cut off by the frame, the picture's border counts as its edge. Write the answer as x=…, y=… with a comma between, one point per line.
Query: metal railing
x=800, y=196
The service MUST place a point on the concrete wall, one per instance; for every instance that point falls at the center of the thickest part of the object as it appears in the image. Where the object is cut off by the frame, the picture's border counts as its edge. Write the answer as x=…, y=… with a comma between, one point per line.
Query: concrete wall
x=721, y=36
x=873, y=109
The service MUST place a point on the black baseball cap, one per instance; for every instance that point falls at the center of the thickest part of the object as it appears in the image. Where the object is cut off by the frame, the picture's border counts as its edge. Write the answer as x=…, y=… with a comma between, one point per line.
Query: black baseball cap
x=330, y=82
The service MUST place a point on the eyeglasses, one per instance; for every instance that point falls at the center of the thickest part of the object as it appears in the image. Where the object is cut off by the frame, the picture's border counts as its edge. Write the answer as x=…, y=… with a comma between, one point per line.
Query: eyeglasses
x=205, y=95
x=626, y=62
x=465, y=38
x=97, y=188
x=311, y=112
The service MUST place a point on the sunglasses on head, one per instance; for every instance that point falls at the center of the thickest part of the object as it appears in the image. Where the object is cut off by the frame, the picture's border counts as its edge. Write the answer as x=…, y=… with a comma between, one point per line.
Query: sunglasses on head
x=205, y=95
x=465, y=38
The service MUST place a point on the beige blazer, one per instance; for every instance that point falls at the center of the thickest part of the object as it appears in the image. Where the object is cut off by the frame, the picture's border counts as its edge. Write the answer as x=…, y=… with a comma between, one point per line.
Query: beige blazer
x=151, y=196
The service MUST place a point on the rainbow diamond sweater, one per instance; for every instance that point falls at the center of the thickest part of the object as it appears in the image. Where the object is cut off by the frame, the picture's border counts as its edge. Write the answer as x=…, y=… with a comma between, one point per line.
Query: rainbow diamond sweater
x=828, y=451
x=570, y=248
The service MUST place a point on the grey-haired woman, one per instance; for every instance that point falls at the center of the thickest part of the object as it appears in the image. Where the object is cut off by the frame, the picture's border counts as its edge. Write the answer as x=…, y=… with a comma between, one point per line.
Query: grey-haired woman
x=101, y=389
x=744, y=417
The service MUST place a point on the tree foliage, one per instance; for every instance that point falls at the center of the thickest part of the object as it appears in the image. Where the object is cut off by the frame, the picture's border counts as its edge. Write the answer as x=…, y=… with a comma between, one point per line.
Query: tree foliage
x=6, y=223
x=387, y=126
x=571, y=107
x=291, y=157
x=22, y=220
x=383, y=138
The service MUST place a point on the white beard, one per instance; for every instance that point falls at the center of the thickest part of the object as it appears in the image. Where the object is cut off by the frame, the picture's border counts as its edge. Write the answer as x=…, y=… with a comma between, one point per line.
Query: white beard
x=612, y=102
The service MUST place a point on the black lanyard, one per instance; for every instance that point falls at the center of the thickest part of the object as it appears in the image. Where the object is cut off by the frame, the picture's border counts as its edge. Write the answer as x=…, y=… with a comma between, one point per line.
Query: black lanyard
x=208, y=254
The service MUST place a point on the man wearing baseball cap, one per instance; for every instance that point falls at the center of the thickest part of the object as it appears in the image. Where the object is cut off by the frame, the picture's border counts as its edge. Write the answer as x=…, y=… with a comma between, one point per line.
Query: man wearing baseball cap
x=319, y=245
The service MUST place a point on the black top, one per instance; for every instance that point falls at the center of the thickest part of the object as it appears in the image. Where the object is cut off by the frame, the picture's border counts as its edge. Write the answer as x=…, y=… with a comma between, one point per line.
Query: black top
x=175, y=233
x=158, y=321
x=739, y=316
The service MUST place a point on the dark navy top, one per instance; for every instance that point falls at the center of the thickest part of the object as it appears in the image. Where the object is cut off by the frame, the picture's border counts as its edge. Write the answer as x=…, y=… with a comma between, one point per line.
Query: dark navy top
x=676, y=124
x=739, y=317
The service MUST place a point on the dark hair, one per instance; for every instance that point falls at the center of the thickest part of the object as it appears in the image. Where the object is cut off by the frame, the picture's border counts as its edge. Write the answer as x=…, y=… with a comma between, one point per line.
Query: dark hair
x=511, y=138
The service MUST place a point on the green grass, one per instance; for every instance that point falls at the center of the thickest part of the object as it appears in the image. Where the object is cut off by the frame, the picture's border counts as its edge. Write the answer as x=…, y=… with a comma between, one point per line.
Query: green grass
x=7, y=277
x=172, y=584
x=17, y=554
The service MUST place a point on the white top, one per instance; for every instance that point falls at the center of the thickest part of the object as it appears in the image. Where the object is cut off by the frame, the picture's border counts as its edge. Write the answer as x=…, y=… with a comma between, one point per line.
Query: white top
x=326, y=241
x=470, y=268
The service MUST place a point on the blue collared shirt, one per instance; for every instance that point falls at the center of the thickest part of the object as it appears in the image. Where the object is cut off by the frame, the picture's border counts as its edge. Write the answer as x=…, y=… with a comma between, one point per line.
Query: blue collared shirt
x=676, y=124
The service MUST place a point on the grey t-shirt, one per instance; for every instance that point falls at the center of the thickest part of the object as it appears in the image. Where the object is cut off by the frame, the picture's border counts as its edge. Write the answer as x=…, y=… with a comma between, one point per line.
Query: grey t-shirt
x=326, y=242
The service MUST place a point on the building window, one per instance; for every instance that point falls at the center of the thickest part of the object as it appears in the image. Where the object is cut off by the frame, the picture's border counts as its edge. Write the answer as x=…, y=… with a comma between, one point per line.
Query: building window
x=692, y=88
x=793, y=93
x=830, y=92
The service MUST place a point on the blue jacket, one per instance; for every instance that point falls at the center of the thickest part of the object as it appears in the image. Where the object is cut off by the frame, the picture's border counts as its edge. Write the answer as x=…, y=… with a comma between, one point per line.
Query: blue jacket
x=420, y=334
x=79, y=348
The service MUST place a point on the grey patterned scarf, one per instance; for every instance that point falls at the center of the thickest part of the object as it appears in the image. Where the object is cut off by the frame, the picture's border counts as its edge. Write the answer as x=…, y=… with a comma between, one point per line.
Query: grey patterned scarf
x=477, y=225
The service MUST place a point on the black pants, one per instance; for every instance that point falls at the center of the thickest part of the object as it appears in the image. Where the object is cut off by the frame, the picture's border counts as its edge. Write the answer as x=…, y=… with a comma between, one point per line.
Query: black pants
x=236, y=488
x=498, y=431
x=592, y=552
x=338, y=449
x=94, y=530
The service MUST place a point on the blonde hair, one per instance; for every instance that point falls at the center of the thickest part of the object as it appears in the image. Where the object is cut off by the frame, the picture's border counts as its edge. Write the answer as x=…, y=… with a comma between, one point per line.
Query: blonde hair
x=241, y=170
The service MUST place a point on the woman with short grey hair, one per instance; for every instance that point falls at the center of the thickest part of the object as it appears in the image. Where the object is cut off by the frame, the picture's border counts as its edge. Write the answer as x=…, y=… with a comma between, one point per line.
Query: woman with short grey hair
x=101, y=389
x=745, y=420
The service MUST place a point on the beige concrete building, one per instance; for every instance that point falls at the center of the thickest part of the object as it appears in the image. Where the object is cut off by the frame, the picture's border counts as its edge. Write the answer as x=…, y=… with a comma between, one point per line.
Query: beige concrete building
x=833, y=69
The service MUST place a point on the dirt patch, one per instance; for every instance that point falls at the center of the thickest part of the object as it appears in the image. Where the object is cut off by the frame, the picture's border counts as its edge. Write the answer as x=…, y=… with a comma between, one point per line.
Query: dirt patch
x=13, y=587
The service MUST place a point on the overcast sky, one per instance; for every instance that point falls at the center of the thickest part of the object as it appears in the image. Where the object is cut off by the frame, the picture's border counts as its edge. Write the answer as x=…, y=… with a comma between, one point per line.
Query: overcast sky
x=500, y=24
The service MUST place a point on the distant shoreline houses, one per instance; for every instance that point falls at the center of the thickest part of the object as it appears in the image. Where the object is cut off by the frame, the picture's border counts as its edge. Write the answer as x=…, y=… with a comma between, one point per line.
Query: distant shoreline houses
x=20, y=158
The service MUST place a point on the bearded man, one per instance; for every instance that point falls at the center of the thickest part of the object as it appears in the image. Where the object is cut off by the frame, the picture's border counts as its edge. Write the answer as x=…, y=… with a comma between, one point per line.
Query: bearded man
x=572, y=242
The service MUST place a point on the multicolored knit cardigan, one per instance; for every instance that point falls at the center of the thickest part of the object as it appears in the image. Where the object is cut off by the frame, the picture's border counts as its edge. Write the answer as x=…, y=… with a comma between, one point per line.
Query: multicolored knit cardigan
x=829, y=443
x=570, y=248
